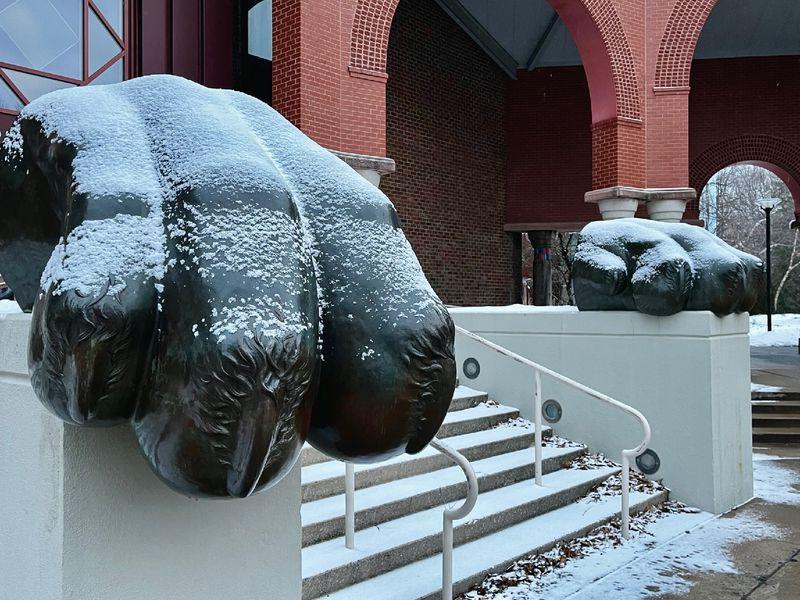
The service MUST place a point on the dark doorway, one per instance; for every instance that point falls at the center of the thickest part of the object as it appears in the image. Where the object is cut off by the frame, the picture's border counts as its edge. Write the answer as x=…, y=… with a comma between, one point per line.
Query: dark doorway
x=255, y=49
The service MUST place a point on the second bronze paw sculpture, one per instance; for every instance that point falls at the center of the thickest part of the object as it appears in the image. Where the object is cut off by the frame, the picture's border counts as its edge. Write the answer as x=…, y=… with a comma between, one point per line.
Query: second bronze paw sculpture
x=662, y=269
x=198, y=267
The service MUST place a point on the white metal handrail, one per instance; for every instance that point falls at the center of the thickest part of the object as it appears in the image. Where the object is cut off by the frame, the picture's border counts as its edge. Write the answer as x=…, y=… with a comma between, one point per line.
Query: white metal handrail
x=449, y=515
x=540, y=370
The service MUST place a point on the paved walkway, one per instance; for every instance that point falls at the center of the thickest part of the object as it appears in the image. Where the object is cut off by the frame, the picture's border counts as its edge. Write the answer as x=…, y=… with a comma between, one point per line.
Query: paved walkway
x=767, y=568
x=776, y=368
x=752, y=552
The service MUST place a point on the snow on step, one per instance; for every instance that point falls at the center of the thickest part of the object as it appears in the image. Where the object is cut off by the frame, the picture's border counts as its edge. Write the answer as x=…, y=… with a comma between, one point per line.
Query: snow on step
x=472, y=419
x=326, y=478
x=328, y=565
x=324, y=519
x=494, y=553
x=465, y=397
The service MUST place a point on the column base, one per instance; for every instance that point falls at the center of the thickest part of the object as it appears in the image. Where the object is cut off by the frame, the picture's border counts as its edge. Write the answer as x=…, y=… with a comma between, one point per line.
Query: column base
x=618, y=202
x=663, y=204
x=668, y=205
x=371, y=168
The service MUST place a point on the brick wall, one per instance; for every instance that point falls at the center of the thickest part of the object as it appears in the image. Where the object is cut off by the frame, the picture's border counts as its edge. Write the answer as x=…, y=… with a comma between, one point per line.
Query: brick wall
x=445, y=128
x=549, y=147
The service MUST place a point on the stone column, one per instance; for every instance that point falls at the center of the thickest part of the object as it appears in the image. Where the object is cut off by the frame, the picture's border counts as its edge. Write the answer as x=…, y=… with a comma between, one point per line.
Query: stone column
x=371, y=168
x=542, y=242
x=516, y=267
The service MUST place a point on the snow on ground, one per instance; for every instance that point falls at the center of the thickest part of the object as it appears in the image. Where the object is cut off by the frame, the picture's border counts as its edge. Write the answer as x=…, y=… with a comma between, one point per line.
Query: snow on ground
x=665, y=549
x=785, y=330
x=9, y=307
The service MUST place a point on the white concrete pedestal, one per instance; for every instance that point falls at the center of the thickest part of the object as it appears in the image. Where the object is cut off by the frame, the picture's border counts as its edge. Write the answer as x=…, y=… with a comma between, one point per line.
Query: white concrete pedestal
x=82, y=517
x=689, y=374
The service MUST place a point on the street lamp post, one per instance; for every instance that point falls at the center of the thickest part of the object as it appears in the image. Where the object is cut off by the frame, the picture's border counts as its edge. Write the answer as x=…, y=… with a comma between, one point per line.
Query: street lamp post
x=767, y=204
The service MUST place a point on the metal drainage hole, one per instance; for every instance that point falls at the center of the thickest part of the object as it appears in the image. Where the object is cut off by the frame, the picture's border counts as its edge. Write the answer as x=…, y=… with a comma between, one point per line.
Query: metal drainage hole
x=471, y=368
x=648, y=462
x=552, y=411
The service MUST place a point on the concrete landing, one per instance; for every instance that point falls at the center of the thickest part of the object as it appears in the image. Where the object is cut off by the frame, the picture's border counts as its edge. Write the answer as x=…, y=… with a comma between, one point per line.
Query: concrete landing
x=775, y=369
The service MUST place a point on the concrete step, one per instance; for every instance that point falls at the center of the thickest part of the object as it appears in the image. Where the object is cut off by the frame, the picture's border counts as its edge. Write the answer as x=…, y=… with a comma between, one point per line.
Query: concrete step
x=465, y=397
x=324, y=519
x=460, y=422
x=327, y=478
x=762, y=407
x=776, y=435
x=477, y=418
x=783, y=420
x=473, y=561
x=329, y=566
x=772, y=395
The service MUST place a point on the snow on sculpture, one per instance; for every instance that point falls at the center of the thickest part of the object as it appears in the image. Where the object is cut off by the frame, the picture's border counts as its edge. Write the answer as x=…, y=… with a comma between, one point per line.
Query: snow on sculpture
x=661, y=269
x=198, y=266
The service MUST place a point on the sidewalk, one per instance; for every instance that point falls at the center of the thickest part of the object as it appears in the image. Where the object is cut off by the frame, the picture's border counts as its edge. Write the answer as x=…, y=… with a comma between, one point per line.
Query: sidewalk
x=752, y=552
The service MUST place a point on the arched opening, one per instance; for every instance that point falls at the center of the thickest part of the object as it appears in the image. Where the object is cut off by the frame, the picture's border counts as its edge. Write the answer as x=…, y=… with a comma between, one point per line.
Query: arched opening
x=495, y=112
x=744, y=90
x=729, y=207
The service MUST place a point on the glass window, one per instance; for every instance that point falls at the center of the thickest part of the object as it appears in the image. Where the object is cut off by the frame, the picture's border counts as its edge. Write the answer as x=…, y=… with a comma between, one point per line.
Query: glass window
x=42, y=42
x=259, y=30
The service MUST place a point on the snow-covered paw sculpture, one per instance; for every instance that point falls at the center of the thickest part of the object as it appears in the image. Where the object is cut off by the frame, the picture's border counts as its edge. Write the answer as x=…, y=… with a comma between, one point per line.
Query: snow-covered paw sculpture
x=661, y=269
x=198, y=266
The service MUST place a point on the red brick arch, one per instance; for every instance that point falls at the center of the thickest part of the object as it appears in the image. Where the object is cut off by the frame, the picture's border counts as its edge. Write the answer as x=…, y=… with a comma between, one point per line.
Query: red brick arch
x=775, y=154
x=680, y=37
x=594, y=24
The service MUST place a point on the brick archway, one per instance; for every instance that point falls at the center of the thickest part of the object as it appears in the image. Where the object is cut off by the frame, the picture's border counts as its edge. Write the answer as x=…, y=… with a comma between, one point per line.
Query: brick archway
x=772, y=153
x=676, y=51
x=594, y=24
x=608, y=60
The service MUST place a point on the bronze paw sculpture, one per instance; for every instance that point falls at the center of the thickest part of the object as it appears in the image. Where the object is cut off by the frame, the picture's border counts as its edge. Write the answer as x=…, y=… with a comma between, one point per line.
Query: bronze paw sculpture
x=198, y=266
x=661, y=269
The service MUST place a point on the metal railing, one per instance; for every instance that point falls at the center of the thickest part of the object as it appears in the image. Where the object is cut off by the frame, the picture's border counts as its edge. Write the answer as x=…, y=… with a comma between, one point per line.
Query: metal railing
x=449, y=515
x=540, y=370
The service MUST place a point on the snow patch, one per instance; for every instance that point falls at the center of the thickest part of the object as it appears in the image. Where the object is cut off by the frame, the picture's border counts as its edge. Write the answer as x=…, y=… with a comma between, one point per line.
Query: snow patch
x=785, y=330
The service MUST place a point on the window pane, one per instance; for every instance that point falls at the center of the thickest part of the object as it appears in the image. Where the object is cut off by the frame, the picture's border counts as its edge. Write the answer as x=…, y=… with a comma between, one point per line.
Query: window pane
x=34, y=86
x=113, y=74
x=102, y=45
x=43, y=34
x=8, y=99
x=112, y=11
x=259, y=30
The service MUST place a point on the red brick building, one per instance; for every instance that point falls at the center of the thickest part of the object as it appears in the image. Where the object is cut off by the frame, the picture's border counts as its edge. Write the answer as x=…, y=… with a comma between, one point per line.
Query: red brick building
x=493, y=118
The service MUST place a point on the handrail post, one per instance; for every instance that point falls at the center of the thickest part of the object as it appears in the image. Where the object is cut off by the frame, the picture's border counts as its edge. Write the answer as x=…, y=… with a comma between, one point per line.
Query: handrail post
x=625, y=513
x=349, y=506
x=537, y=420
x=452, y=514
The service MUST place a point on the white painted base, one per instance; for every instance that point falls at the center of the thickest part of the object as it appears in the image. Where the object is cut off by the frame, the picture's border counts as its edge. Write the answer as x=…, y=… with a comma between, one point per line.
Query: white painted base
x=689, y=374
x=617, y=208
x=82, y=517
x=666, y=211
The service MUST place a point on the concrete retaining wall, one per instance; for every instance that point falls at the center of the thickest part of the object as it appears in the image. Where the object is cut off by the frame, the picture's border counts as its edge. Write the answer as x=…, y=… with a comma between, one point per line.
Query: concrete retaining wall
x=82, y=517
x=689, y=374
